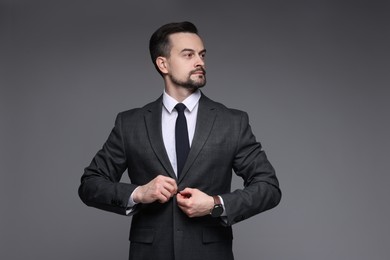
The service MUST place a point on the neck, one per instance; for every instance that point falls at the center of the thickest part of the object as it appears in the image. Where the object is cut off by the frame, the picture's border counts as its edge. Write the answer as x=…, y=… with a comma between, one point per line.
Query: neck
x=179, y=93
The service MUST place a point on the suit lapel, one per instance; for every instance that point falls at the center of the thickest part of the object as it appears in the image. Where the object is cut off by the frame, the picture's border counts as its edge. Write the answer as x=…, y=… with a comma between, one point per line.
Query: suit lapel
x=153, y=127
x=204, y=123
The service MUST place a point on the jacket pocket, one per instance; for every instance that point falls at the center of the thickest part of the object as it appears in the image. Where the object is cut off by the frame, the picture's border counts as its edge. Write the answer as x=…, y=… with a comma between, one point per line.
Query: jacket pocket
x=216, y=234
x=142, y=235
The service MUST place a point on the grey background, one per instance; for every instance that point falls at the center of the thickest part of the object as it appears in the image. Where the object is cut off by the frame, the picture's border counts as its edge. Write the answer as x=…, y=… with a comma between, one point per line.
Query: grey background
x=313, y=76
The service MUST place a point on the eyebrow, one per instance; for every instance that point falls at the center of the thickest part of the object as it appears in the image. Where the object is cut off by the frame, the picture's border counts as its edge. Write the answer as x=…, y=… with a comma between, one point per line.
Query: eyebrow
x=183, y=50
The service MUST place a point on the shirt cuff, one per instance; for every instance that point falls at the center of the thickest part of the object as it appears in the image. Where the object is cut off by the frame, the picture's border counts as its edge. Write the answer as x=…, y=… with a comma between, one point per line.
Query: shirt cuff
x=131, y=203
x=223, y=205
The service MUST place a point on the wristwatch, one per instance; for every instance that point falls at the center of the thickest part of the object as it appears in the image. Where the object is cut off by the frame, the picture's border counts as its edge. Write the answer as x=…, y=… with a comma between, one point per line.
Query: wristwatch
x=217, y=210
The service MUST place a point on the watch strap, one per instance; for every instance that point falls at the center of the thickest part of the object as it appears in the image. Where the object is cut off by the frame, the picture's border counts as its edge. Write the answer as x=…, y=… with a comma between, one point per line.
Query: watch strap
x=217, y=200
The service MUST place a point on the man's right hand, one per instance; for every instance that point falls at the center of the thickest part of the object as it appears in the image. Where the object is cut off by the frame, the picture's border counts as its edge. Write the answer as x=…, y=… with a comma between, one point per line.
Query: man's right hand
x=160, y=189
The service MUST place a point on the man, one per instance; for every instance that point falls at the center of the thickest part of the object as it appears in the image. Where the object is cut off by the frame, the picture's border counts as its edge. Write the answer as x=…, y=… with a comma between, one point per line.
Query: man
x=179, y=160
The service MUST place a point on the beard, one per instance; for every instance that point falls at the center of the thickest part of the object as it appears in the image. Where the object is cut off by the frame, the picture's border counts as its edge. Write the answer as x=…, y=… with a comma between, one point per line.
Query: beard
x=189, y=83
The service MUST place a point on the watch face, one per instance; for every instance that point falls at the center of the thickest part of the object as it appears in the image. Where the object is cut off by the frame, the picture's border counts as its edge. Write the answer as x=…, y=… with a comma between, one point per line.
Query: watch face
x=217, y=210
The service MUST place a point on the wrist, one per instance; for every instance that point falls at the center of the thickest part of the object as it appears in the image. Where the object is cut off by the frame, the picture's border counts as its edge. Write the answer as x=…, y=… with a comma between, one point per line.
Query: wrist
x=136, y=196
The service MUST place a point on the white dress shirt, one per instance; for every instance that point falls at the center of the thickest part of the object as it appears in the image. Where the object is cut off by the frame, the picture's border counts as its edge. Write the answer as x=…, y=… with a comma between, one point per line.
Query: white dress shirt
x=168, y=121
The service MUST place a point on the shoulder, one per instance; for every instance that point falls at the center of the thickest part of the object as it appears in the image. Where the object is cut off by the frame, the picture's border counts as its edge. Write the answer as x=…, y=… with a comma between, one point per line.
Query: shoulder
x=141, y=111
x=221, y=108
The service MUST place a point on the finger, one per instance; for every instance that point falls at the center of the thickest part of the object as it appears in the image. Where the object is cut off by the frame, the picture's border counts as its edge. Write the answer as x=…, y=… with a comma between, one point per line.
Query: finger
x=182, y=201
x=184, y=209
x=185, y=202
x=166, y=193
x=163, y=197
x=187, y=192
x=171, y=180
x=168, y=183
x=166, y=179
x=188, y=212
x=162, y=183
x=172, y=185
x=171, y=188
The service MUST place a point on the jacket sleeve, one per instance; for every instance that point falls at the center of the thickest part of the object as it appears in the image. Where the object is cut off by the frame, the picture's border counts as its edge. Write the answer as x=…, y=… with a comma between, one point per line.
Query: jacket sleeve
x=100, y=186
x=261, y=187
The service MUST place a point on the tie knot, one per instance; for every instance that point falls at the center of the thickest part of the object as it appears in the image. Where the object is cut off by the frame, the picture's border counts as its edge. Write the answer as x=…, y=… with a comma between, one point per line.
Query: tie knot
x=180, y=107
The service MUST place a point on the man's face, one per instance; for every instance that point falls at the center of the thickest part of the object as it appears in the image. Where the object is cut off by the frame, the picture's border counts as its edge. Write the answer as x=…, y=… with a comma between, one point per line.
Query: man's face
x=185, y=65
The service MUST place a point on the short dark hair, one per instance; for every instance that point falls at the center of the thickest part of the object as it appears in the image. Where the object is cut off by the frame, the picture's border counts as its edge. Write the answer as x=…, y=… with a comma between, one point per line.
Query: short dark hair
x=159, y=44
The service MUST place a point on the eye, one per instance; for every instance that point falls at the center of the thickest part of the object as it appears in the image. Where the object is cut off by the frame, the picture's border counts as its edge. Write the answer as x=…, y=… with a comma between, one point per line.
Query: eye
x=189, y=55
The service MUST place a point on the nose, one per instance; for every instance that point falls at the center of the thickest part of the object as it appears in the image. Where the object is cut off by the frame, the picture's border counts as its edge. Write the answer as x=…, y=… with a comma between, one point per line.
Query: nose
x=199, y=61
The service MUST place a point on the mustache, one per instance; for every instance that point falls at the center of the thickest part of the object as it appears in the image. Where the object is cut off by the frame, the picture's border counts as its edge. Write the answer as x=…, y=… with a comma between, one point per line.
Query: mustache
x=198, y=70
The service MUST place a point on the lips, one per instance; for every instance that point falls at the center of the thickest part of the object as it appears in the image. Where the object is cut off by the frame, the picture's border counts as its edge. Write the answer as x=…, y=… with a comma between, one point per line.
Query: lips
x=199, y=72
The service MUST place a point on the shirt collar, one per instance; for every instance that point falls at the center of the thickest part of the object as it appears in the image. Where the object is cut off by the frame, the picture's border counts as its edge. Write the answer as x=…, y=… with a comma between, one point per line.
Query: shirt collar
x=190, y=102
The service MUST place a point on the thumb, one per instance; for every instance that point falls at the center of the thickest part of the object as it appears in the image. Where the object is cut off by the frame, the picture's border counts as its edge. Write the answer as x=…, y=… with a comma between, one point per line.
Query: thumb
x=187, y=192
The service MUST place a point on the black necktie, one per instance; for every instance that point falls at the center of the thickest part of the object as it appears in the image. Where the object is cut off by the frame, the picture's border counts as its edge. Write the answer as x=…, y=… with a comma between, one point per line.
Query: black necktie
x=181, y=136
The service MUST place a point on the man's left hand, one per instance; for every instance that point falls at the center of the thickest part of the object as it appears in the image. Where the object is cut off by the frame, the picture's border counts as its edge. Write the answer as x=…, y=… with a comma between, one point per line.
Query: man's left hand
x=194, y=203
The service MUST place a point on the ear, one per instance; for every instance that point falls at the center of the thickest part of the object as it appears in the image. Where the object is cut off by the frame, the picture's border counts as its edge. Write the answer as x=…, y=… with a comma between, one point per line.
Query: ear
x=161, y=63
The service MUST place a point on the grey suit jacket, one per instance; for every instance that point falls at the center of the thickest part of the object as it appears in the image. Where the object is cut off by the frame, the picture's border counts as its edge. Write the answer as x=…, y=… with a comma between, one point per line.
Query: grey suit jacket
x=223, y=141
